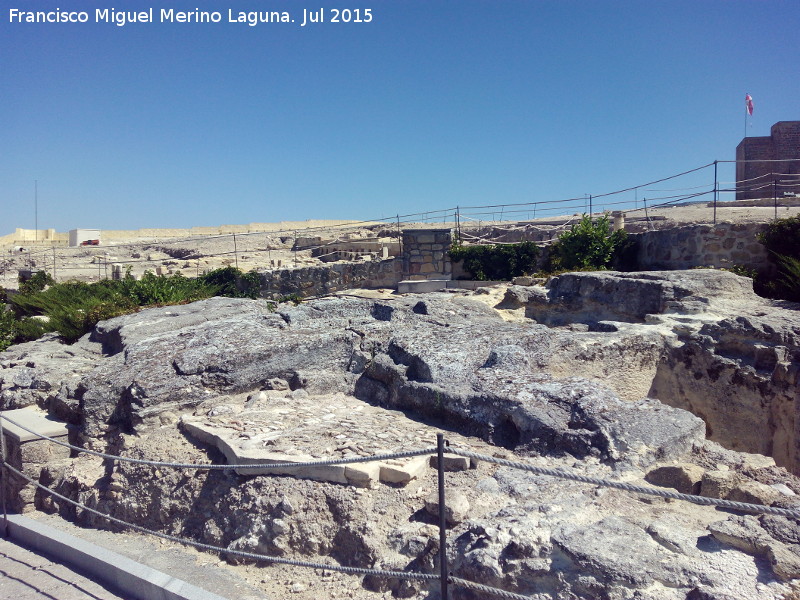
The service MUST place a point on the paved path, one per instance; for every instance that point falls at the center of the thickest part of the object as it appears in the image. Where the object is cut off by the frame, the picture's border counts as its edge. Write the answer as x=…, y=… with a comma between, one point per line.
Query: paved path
x=25, y=575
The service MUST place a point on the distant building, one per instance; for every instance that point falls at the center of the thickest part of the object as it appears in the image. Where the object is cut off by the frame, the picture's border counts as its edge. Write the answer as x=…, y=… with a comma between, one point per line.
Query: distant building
x=84, y=237
x=763, y=179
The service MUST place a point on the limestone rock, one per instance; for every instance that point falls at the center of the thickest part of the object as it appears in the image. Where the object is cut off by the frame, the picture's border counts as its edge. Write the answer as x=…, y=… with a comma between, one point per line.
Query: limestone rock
x=718, y=484
x=753, y=492
x=685, y=478
x=456, y=506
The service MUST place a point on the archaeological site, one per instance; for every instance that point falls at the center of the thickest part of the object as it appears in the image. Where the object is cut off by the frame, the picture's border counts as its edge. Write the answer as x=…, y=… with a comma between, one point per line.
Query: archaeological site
x=629, y=433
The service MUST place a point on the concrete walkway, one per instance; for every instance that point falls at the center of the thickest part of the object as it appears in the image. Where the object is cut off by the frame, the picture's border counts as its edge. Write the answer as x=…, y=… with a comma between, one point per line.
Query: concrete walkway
x=40, y=560
x=25, y=575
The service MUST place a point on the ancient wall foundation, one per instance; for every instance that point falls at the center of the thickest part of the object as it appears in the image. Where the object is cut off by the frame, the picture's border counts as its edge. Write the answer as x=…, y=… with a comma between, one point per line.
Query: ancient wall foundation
x=721, y=246
x=425, y=254
x=321, y=280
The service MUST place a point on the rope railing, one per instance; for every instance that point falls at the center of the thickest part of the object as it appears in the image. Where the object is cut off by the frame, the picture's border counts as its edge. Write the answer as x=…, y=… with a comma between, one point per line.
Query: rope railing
x=445, y=577
x=628, y=487
x=445, y=214
x=220, y=549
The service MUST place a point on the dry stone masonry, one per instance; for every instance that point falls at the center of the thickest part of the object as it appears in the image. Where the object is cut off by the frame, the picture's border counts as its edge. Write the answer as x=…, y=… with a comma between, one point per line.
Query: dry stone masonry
x=425, y=254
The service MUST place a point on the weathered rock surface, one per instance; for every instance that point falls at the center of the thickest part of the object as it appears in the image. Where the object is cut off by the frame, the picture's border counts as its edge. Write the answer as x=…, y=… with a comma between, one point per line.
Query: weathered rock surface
x=725, y=354
x=224, y=379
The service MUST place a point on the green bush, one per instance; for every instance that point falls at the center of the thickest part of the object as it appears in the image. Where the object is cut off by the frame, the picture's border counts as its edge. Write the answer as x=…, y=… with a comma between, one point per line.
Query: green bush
x=782, y=237
x=501, y=262
x=36, y=283
x=588, y=245
x=233, y=283
x=782, y=241
x=8, y=327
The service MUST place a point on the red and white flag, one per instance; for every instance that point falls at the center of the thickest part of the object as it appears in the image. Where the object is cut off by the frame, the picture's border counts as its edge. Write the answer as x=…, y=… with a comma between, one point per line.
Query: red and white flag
x=748, y=103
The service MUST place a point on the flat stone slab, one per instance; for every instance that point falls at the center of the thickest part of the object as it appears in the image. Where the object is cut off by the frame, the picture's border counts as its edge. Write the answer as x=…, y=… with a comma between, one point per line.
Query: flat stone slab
x=281, y=428
x=35, y=420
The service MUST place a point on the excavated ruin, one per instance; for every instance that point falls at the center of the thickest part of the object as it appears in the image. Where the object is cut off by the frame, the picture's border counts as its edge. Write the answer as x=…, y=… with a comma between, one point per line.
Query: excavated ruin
x=681, y=379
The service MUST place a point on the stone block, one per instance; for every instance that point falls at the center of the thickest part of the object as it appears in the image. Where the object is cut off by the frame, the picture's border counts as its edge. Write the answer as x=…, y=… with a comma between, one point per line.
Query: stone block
x=362, y=474
x=403, y=473
x=754, y=492
x=451, y=462
x=427, y=268
x=42, y=452
x=685, y=478
x=718, y=484
x=455, y=509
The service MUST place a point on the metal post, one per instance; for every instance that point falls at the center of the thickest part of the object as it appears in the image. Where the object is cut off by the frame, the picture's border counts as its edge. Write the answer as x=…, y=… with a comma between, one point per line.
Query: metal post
x=54, y=264
x=646, y=216
x=590, y=207
x=458, y=223
x=715, y=192
x=775, y=196
x=399, y=235
x=443, y=574
x=236, y=251
x=5, y=487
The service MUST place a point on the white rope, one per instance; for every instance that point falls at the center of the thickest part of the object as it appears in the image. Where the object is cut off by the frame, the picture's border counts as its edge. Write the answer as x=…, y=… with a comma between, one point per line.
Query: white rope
x=639, y=489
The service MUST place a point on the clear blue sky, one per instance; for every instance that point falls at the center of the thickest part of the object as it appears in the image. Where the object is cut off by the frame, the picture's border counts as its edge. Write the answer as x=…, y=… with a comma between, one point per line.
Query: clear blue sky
x=435, y=103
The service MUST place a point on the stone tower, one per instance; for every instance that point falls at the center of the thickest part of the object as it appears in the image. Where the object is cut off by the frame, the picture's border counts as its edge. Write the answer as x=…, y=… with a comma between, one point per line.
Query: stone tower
x=763, y=179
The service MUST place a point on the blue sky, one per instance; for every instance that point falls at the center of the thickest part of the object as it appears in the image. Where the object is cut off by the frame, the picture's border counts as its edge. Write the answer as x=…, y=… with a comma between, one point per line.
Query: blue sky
x=433, y=104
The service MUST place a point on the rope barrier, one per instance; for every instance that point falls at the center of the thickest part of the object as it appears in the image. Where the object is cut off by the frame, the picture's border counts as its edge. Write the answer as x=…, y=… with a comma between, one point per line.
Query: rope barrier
x=557, y=473
x=639, y=489
x=251, y=555
x=293, y=465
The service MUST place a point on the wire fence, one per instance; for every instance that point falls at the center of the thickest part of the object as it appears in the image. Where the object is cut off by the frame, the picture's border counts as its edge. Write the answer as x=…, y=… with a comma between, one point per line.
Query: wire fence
x=778, y=186
x=445, y=578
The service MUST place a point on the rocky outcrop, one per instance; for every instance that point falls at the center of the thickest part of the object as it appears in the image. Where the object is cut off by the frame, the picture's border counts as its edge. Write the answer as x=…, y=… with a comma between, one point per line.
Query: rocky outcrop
x=726, y=355
x=227, y=379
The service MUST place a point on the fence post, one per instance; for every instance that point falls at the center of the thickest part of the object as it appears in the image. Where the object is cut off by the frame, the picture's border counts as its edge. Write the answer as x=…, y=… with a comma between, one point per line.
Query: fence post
x=54, y=264
x=443, y=574
x=399, y=235
x=4, y=471
x=235, y=251
x=716, y=192
x=775, y=195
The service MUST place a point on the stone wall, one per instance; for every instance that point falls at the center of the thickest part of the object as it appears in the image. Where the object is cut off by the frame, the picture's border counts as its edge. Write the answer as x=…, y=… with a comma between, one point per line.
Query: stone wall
x=321, y=280
x=425, y=254
x=722, y=245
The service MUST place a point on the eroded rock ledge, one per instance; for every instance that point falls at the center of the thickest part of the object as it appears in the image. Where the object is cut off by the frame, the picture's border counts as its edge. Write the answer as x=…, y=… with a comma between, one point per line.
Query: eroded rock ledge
x=593, y=375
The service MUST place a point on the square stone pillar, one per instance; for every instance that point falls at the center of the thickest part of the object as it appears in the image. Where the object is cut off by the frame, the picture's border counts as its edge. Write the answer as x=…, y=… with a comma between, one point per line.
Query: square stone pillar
x=425, y=254
x=29, y=453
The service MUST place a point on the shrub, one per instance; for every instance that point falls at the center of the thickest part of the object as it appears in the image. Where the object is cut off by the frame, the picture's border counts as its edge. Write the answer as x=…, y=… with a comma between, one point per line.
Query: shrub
x=782, y=240
x=500, y=262
x=782, y=237
x=8, y=329
x=38, y=282
x=74, y=308
x=232, y=282
x=588, y=245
